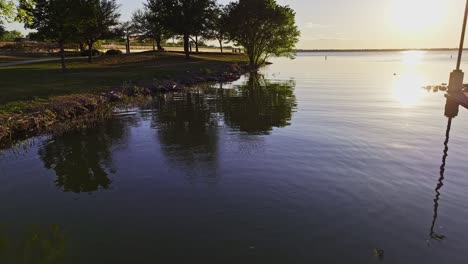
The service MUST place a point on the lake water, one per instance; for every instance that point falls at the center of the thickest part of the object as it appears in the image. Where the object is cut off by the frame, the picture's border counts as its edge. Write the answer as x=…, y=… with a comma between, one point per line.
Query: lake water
x=320, y=161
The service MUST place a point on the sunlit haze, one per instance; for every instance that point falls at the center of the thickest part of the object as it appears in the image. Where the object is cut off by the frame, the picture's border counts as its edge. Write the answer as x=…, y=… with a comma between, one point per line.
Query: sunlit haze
x=367, y=24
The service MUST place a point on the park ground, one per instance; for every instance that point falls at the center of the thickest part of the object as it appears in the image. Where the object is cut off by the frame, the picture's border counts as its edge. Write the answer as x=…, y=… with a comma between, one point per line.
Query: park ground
x=22, y=85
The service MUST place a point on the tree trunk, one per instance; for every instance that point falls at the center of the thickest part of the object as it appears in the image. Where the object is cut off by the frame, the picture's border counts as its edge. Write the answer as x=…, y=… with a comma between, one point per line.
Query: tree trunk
x=154, y=44
x=90, y=52
x=62, y=56
x=196, y=44
x=186, y=46
x=82, y=47
x=158, y=43
x=128, y=44
x=221, y=45
x=252, y=60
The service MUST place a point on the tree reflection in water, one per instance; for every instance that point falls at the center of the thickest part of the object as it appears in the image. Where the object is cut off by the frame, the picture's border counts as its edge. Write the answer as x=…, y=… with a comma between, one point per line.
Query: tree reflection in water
x=262, y=105
x=188, y=125
x=188, y=122
x=82, y=159
x=186, y=129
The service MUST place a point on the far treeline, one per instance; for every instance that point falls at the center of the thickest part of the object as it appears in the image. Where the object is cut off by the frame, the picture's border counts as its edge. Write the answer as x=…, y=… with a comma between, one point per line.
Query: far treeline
x=262, y=28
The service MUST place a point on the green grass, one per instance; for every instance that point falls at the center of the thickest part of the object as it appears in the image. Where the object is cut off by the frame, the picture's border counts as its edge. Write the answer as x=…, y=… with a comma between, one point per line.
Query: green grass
x=43, y=80
x=7, y=58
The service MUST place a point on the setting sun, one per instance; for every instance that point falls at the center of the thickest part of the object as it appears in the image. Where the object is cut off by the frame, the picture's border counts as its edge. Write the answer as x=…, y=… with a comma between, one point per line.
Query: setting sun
x=416, y=16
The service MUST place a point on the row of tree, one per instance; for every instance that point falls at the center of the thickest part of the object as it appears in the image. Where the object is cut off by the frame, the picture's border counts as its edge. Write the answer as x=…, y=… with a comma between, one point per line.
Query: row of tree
x=262, y=27
x=65, y=21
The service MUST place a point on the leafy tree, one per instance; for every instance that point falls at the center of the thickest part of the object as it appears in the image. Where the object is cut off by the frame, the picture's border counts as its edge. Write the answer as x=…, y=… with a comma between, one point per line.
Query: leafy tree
x=216, y=27
x=183, y=17
x=7, y=8
x=6, y=12
x=263, y=28
x=126, y=29
x=10, y=35
x=98, y=19
x=148, y=24
x=54, y=20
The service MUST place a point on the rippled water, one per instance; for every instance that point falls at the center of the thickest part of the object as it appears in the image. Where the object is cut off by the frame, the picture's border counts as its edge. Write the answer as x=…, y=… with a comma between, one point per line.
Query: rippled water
x=320, y=161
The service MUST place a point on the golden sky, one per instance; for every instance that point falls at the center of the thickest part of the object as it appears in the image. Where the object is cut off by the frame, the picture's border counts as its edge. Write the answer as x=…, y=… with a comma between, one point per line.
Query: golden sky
x=368, y=24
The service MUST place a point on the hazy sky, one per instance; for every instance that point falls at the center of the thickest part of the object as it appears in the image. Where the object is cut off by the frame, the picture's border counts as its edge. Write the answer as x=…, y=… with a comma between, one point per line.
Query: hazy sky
x=368, y=23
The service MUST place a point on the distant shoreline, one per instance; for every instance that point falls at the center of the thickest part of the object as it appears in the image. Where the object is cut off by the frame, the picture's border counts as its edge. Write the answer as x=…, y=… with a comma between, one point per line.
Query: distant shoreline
x=372, y=50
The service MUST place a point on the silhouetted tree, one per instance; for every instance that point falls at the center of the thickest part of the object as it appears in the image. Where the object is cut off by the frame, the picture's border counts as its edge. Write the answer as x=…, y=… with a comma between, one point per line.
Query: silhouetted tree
x=98, y=19
x=183, y=17
x=263, y=28
x=215, y=27
x=127, y=30
x=54, y=20
x=148, y=25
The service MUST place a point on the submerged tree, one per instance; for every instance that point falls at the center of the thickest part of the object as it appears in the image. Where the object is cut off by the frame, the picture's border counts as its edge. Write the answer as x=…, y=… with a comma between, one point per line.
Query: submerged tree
x=148, y=25
x=55, y=20
x=263, y=28
x=98, y=19
x=183, y=17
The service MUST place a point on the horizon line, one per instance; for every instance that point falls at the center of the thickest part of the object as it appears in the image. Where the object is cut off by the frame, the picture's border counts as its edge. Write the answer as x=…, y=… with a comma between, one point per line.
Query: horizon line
x=378, y=50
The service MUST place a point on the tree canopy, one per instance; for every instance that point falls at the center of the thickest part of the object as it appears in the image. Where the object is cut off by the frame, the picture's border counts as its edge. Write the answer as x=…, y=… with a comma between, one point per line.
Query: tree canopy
x=149, y=25
x=183, y=17
x=9, y=35
x=54, y=20
x=7, y=8
x=263, y=28
x=97, y=21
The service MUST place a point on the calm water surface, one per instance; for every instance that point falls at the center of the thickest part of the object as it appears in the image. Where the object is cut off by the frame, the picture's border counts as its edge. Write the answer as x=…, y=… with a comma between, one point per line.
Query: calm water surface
x=317, y=162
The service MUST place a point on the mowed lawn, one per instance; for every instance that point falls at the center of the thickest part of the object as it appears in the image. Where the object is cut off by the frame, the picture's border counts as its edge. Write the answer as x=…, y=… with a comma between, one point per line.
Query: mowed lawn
x=43, y=80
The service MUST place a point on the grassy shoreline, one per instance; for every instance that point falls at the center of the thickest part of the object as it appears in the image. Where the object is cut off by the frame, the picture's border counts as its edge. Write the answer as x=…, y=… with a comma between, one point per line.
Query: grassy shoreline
x=27, y=110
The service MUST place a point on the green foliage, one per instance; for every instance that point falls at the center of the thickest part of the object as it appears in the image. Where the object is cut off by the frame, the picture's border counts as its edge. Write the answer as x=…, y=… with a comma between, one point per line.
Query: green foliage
x=263, y=28
x=10, y=35
x=149, y=24
x=217, y=24
x=98, y=18
x=183, y=17
x=7, y=8
x=54, y=20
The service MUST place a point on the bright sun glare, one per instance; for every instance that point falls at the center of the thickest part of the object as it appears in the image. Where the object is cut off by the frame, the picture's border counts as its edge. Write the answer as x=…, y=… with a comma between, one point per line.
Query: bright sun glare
x=407, y=87
x=415, y=16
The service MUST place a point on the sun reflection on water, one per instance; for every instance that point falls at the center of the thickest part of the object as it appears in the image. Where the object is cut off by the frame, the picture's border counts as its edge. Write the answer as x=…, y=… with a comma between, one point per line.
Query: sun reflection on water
x=407, y=86
x=412, y=57
x=407, y=89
